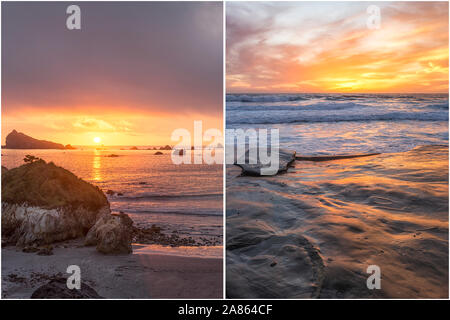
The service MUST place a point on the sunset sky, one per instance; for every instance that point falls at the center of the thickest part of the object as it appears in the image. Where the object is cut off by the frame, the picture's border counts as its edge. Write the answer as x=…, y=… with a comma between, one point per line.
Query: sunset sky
x=130, y=76
x=327, y=47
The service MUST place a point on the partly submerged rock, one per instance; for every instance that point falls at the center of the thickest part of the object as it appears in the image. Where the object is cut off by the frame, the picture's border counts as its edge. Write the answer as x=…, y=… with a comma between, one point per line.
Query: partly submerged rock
x=252, y=166
x=158, y=153
x=57, y=289
x=43, y=203
x=112, y=234
x=19, y=140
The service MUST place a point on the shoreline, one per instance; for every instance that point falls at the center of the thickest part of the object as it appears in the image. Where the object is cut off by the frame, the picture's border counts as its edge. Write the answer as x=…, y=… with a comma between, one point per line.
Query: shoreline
x=148, y=272
x=313, y=231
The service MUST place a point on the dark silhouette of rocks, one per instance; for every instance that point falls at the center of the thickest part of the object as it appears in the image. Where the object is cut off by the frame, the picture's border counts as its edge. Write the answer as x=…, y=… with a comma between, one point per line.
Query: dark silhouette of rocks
x=57, y=289
x=19, y=140
x=45, y=251
x=167, y=147
x=158, y=153
x=154, y=235
x=30, y=158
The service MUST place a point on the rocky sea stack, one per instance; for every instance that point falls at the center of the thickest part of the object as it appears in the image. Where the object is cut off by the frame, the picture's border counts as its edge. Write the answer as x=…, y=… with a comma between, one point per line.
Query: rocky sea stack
x=43, y=203
x=19, y=140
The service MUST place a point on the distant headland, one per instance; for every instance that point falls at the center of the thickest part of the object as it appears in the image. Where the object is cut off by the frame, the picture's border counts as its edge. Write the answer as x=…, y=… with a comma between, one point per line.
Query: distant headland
x=19, y=140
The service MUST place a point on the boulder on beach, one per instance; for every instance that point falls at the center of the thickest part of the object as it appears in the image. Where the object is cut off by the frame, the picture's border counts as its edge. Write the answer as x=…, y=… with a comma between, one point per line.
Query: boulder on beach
x=19, y=140
x=112, y=234
x=57, y=289
x=252, y=166
x=43, y=203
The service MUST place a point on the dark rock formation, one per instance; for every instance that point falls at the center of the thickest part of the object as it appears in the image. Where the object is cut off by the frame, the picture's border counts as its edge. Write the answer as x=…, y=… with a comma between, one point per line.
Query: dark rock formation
x=286, y=158
x=45, y=251
x=112, y=234
x=43, y=203
x=167, y=147
x=57, y=289
x=157, y=153
x=18, y=140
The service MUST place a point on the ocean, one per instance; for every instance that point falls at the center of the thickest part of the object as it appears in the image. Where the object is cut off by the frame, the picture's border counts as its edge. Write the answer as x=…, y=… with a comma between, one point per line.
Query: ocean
x=182, y=198
x=319, y=124
x=314, y=231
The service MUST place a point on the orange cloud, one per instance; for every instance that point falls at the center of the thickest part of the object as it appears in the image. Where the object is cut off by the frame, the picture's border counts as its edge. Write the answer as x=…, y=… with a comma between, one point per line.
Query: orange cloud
x=327, y=47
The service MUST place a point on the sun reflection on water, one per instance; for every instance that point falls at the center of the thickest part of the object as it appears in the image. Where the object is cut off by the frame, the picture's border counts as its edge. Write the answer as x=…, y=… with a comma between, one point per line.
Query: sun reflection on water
x=96, y=166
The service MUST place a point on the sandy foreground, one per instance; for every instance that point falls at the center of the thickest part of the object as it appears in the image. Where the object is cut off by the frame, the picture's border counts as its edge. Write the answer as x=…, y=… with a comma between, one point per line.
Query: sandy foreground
x=150, y=272
x=314, y=231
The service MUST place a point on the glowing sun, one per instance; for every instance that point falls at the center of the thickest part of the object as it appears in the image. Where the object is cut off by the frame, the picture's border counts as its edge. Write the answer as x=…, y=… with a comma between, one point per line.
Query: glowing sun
x=97, y=139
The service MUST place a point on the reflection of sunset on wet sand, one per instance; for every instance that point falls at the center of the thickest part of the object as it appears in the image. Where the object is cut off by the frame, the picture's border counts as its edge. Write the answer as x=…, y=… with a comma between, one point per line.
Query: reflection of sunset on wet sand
x=389, y=210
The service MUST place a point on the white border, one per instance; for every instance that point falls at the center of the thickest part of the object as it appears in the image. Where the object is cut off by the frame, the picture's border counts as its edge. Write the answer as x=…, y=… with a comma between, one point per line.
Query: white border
x=224, y=127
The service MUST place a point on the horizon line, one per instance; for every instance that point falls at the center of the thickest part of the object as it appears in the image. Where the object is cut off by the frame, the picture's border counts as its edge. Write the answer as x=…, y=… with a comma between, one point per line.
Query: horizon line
x=268, y=92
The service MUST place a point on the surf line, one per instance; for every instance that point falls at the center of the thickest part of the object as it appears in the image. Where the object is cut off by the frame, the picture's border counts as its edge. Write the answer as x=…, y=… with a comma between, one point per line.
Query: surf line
x=328, y=158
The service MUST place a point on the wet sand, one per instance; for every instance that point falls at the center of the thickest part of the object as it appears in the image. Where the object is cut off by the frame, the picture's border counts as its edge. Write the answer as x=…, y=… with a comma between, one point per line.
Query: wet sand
x=150, y=272
x=313, y=231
